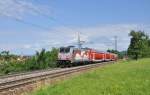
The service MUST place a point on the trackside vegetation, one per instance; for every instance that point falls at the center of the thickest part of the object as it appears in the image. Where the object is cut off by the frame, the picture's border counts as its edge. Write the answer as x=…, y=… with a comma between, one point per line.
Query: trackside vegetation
x=122, y=78
x=41, y=60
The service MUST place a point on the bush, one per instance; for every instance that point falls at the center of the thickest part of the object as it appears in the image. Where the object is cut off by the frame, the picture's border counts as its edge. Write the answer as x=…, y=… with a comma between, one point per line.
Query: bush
x=42, y=60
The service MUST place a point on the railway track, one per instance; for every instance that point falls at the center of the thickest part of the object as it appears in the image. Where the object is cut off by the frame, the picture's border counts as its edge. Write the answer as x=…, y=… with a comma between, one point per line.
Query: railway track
x=25, y=73
x=17, y=81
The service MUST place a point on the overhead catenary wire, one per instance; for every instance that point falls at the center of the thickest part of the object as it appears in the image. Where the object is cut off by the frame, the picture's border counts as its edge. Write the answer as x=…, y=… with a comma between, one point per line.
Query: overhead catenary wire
x=30, y=23
x=39, y=13
x=36, y=10
x=42, y=14
x=25, y=22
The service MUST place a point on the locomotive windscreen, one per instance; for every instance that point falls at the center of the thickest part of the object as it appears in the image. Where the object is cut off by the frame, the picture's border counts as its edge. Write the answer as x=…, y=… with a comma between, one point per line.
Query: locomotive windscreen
x=64, y=50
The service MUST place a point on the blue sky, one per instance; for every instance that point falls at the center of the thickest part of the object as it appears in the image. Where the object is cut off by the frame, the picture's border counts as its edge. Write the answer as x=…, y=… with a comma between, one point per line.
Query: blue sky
x=29, y=25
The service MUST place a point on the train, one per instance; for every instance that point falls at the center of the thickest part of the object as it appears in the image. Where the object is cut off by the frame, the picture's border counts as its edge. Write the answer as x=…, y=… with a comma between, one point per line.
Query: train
x=70, y=56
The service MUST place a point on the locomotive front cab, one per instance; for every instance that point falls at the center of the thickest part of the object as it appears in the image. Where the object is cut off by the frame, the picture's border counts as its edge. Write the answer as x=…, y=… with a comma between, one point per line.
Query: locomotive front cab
x=65, y=55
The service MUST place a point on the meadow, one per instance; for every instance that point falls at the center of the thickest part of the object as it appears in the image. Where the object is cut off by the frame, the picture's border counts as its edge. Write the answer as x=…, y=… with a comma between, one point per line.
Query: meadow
x=122, y=78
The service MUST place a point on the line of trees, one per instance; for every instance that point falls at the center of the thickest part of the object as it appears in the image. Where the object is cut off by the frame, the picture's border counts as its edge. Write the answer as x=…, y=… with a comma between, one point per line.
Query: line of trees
x=41, y=60
x=139, y=45
x=6, y=56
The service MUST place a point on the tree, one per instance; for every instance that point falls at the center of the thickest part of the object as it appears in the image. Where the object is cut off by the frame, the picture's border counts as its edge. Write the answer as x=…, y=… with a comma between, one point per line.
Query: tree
x=54, y=54
x=139, y=44
x=43, y=59
x=5, y=55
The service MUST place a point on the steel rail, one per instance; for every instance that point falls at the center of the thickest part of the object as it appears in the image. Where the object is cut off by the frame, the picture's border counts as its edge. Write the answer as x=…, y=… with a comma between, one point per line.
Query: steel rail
x=25, y=73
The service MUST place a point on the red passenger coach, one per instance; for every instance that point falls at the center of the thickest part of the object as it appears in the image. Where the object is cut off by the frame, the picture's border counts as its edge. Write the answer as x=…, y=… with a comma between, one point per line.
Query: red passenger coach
x=97, y=56
x=107, y=56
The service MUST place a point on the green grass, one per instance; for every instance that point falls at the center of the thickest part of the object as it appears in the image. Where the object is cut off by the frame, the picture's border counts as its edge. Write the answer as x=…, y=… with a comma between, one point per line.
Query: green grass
x=123, y=78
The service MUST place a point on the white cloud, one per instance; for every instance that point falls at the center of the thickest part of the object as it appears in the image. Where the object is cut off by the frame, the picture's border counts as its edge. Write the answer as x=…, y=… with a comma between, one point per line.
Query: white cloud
x=99, y=37
x=19, y=8
x=27, y=46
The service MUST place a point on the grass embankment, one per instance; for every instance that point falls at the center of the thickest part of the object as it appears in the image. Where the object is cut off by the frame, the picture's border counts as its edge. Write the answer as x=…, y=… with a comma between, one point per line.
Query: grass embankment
x=124, y=78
